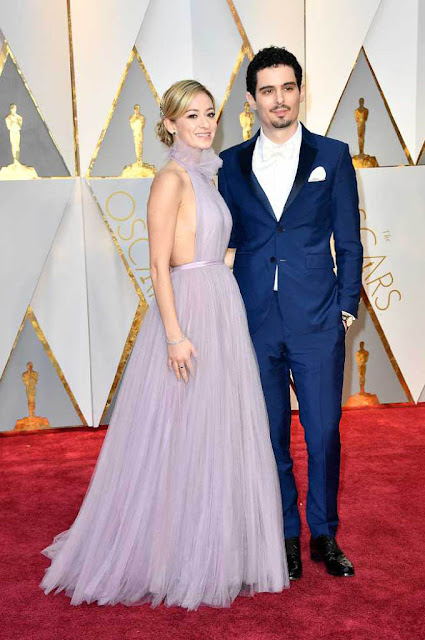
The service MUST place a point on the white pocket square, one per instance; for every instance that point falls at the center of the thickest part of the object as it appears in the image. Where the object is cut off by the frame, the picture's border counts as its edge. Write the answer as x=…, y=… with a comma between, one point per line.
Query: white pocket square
x=317, y=175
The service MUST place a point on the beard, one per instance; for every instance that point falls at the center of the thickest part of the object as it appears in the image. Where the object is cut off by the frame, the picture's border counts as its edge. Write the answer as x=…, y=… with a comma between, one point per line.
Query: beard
x=281, y=123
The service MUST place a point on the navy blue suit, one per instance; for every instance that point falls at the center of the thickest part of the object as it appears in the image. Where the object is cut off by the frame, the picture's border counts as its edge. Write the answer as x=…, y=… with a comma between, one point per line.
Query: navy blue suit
x=299, y=328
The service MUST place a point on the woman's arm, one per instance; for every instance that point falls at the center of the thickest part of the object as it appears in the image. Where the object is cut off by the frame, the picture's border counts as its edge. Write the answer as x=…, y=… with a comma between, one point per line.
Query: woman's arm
x=163, y=206
x=229, y=258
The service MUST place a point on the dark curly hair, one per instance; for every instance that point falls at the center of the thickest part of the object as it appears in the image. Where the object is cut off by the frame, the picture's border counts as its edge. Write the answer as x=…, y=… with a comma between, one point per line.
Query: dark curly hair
x=271, y=57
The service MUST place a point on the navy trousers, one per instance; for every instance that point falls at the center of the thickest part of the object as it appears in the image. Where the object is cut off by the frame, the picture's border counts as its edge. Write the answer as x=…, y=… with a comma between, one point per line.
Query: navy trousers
x=316, y=361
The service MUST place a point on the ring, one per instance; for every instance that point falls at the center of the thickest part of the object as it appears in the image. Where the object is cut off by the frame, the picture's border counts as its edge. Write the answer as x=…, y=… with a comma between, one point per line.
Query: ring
x=181, y=366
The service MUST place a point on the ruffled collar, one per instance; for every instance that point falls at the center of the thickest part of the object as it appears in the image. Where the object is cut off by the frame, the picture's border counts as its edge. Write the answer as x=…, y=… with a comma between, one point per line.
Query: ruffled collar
x=205, y=161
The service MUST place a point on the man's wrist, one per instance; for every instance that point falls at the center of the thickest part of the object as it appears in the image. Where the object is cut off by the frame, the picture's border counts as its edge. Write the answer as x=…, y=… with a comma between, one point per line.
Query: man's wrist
x=347, y=318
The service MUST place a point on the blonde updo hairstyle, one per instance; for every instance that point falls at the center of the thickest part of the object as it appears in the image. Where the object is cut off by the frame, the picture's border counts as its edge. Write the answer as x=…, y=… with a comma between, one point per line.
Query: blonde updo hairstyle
x=174, y=104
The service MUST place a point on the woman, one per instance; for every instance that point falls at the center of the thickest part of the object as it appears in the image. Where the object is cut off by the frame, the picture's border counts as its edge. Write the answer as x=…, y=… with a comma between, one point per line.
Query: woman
x=184, y=504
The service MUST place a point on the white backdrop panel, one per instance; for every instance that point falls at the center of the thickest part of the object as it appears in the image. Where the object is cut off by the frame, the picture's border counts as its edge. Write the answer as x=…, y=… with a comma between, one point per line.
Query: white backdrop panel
x=392, y=48
x=393, y=264
x=123, y=203
x=60, y=303
x=273, y=22
x=216, y=44
x=112, y=303
x=165, y=42
x=30, y=212
x=335, y=31
x=420, y=110
x=202, y=42
x=104, y=34
x=42, y=53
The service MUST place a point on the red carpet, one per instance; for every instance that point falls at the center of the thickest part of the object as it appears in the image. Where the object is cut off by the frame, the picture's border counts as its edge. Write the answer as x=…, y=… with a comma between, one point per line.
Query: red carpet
x=382, y=500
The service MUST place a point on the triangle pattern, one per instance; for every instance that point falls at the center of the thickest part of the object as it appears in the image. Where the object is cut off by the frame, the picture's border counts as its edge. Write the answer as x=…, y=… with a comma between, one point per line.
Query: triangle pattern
x=43, y=55
x=52, y=400
x=60, y=303
x=116, y=149
x=390, y=260
x=193, y=28
x=273, y=24
x=381, y=378
x=327, y=31
x=33, y=209
x=101, y=52
x=404, y=25
x=37, y=148
x=381, y=138
x=229, y=130
x=112, y=302
x=124, y=207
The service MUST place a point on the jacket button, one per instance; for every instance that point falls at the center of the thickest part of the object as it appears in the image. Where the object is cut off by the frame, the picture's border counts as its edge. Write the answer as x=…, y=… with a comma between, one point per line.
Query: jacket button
x=273, y=259
x=280, y=229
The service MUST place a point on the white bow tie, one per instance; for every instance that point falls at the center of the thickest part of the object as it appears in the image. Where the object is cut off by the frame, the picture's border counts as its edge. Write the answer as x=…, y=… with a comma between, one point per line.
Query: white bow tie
x=273, y=152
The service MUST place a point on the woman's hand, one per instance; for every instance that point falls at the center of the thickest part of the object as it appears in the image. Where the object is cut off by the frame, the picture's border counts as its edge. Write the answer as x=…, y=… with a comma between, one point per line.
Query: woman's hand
x=180, y=359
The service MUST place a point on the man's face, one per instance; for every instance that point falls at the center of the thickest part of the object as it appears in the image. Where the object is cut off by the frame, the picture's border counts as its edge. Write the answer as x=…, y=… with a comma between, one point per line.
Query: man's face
x=277, y=97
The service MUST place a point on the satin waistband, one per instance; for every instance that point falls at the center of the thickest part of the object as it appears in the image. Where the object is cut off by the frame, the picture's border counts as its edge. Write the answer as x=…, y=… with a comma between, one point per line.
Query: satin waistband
x=196, y=265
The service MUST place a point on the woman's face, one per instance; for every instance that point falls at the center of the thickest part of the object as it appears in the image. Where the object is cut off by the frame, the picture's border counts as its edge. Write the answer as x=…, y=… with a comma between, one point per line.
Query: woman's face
x=197, y=126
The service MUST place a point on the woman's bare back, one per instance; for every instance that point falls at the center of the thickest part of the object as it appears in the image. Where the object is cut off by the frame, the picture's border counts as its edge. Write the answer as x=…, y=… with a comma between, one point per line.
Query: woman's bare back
x=184, y=239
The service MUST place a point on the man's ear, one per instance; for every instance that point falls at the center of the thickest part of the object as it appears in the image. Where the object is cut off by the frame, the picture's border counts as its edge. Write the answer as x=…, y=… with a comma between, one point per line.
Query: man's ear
x=251, y=100
x=302, y=93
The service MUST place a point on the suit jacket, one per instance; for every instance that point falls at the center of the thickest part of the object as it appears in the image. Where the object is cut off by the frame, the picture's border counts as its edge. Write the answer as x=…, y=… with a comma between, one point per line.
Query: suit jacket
x=311, y=295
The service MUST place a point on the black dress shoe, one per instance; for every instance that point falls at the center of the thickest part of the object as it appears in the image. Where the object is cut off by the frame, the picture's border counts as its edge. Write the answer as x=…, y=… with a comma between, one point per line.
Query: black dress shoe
x=293, y=557
x=325, y=549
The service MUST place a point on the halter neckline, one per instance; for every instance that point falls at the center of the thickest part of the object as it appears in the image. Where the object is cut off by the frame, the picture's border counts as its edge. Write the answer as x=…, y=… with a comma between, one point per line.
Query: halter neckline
x=204, y=161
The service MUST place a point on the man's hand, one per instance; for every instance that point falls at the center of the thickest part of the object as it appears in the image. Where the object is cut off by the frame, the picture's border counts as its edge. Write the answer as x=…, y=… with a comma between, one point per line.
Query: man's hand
x=347, y=320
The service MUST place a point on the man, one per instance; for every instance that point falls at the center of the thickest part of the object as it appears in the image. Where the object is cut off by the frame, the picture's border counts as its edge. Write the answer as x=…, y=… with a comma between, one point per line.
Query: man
x=288, y=191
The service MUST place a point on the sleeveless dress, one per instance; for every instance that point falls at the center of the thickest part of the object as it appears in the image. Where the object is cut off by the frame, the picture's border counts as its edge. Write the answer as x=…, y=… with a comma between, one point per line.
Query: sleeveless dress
x=184, y=504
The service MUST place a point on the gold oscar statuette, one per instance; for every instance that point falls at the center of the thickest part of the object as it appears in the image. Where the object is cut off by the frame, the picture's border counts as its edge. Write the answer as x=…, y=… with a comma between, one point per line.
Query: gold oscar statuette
x=138, y=169
x=31, y=421
x=16, y=170
x=362, y=399
x=362, y=160
x=246, y=119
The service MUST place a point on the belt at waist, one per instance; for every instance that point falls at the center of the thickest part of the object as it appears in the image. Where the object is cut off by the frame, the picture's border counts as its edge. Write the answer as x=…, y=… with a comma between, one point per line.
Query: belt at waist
x=196, y=265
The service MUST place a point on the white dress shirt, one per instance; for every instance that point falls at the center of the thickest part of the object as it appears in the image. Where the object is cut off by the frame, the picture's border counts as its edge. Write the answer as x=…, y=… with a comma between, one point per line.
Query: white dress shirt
x=275, y=167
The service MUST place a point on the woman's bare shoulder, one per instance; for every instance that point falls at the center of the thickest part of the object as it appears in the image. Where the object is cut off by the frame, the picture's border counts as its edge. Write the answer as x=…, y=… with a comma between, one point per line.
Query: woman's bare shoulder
x=169, y=184
x=171, y=174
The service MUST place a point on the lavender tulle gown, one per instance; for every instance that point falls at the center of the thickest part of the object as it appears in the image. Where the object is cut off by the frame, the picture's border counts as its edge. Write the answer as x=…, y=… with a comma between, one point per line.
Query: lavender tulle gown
x=184, y=504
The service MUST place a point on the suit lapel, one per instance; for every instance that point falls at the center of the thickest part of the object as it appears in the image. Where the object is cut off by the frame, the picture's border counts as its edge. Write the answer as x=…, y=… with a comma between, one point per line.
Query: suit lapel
x=245, y=158
x=308, y=152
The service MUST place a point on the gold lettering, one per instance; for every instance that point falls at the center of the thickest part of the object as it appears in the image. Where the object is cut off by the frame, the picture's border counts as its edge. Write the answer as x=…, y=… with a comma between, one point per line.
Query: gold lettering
x=132, y=229
x=388, y=300
x=372, y=263
x=130, y=248
x=127, y=195
x=144, y=280
x=381, y=282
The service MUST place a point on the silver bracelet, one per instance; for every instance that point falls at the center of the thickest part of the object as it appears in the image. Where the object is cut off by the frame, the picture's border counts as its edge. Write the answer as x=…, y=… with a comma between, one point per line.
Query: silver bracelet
x=174, y=342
